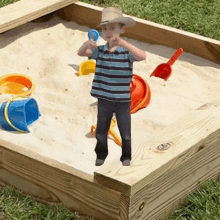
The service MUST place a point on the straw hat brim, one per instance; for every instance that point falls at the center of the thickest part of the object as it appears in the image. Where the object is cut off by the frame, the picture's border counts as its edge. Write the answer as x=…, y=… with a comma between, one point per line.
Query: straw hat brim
x=129, y=22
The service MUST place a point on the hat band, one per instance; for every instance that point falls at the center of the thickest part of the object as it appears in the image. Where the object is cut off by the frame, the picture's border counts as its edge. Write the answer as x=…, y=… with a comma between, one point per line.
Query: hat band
x=104, y=21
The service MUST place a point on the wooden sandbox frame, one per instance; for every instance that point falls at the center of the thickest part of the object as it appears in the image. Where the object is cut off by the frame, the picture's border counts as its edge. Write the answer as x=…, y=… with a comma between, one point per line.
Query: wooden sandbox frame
x=163, y=171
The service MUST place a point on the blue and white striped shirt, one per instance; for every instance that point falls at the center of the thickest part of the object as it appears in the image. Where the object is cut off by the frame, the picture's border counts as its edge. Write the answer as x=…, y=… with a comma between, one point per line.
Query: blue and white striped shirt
x=113, y=73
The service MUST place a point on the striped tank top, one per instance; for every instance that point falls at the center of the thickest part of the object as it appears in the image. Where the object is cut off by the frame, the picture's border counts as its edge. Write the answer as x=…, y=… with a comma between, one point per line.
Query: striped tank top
x=113, y=74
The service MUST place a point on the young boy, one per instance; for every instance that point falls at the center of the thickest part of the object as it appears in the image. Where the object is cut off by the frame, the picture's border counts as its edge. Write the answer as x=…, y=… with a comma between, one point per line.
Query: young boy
x=111, y=84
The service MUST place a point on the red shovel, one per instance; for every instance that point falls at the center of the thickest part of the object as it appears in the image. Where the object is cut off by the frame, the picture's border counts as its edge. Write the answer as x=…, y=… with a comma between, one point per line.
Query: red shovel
x=164, y=70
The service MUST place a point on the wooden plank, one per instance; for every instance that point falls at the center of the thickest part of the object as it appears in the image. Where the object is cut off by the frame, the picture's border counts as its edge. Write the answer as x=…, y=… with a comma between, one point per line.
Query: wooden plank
x=23, y=11
x=168, y=176
x=186, y=137
x=54, y=183
x=150, y=32
x=156, y=179
x=165, y=193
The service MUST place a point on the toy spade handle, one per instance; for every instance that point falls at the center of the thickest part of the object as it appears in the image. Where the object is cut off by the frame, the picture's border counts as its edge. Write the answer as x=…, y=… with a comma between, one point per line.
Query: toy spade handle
x=175, y=56
x=115, y=136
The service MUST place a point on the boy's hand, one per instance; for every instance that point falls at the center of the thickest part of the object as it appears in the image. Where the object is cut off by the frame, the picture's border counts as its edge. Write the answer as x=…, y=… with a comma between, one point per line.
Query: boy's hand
x=91, y=43
x=115, y=40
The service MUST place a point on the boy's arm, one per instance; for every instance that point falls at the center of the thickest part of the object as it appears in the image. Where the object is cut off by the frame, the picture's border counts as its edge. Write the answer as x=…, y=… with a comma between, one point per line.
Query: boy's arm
x=84, y=50
x=137, y=53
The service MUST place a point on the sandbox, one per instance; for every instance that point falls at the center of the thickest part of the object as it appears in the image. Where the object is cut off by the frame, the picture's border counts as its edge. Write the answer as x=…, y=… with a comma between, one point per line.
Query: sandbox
x=175, y=140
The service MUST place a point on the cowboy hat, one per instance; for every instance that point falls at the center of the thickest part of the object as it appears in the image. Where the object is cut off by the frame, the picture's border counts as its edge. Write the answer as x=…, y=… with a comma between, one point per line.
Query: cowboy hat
x=112, y=15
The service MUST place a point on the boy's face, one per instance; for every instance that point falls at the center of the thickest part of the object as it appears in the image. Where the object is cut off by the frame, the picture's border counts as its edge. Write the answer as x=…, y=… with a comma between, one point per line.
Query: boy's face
x=110, y=29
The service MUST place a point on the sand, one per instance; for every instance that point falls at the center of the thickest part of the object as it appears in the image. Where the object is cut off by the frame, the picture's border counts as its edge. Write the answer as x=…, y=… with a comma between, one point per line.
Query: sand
x=47, y=52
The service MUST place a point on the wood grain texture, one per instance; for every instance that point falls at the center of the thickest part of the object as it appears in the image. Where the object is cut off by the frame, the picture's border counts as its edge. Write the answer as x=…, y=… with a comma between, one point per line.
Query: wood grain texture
x=165, y=193
x=150, y=32
x=186, y=137
x=159, y=177
x=53, y=185
x=23, y=11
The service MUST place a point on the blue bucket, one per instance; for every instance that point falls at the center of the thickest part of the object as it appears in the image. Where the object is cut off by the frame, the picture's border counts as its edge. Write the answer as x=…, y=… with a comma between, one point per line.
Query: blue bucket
x=19, y=115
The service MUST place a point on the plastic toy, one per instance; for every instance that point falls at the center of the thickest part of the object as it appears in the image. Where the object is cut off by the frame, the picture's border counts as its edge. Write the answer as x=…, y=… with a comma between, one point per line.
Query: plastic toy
x=16, y=84
x=164, y=70
x=140, y=93
x=87, y=67
x=111, y=132
x=96, y=34
x=17, y=115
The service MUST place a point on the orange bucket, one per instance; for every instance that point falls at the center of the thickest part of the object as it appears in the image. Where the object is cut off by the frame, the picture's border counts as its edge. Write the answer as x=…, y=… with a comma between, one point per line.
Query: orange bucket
x=16, y=84
x=140, y=93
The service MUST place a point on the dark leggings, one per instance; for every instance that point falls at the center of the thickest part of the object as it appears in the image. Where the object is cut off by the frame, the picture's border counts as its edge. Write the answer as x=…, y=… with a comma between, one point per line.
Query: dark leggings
x=123, y=117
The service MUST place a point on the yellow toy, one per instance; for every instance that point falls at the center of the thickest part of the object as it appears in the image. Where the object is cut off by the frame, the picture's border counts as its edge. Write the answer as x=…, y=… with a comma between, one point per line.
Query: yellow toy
x=111, y=132
x=87, y=67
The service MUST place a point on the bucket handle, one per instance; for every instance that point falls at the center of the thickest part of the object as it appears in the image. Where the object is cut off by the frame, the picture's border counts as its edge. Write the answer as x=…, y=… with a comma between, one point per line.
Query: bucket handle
x=6, y=113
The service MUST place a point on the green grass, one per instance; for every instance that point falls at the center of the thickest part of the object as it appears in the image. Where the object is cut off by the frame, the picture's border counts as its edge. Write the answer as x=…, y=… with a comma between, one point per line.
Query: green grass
x=6, y=2
x=202, y=204
x=196, y=16
x=15, y=205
